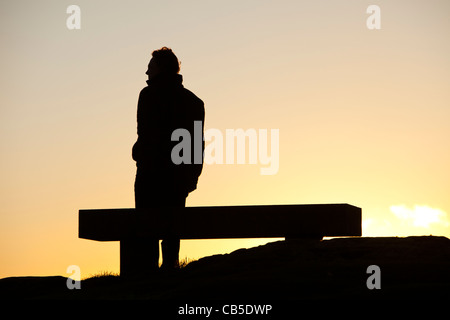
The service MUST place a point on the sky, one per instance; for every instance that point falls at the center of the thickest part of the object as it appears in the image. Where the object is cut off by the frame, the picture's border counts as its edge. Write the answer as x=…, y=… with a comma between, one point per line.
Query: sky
x=362, y=114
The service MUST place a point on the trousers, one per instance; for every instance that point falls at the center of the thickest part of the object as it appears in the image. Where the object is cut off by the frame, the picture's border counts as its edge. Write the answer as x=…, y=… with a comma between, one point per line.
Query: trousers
x=154, y=192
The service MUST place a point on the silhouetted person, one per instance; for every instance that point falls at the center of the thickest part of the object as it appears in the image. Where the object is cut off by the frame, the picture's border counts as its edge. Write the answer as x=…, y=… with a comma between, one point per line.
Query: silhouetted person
x=164, y=106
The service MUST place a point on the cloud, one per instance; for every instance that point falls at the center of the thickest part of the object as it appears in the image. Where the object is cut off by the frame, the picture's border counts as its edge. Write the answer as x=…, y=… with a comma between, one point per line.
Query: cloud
x=420, y=216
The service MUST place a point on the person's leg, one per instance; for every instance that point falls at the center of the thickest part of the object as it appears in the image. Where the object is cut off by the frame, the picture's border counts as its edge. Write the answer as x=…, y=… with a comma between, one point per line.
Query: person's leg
x=170, y=246
x=139, y=255
x=170, y=251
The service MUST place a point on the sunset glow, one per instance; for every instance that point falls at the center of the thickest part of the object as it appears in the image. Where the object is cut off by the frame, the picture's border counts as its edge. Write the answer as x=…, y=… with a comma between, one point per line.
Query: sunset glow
x=359, y=115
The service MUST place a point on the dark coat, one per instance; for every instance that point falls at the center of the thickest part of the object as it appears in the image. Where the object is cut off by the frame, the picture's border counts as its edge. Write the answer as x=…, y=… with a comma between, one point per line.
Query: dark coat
x=163, y=106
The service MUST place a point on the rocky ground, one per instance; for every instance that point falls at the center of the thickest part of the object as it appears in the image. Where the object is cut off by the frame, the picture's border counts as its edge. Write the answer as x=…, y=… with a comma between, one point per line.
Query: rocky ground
x=410, y=268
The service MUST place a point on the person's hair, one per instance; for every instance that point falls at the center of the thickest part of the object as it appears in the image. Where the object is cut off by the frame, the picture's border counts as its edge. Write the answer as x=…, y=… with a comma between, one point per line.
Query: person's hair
x=166, y=60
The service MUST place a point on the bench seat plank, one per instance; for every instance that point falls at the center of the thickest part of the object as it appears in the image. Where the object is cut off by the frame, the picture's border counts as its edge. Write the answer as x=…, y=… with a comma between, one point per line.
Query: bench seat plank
x=222, y=222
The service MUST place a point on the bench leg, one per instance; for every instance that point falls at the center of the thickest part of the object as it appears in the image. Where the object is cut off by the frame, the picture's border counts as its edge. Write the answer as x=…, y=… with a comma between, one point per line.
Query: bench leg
x=138, y=257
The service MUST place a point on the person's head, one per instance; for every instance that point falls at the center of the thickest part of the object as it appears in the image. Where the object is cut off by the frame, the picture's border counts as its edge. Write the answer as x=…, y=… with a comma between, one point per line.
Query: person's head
x=163, y=61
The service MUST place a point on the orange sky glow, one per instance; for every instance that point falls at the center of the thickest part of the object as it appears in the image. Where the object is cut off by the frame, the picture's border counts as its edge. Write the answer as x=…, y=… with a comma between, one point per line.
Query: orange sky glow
x=362, y=114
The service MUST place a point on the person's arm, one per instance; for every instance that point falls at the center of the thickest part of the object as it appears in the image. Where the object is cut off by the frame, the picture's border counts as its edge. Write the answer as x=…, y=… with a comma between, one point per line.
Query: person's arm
x=201, y=116
x=148, y=128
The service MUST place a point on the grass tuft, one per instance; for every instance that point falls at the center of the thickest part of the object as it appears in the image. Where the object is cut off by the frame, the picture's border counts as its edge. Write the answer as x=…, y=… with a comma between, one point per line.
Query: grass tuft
x=102, y=274
x=184, y=262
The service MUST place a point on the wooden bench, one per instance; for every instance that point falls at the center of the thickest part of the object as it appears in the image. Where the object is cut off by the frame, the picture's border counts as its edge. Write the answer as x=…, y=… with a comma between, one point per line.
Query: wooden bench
x=220, y=222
